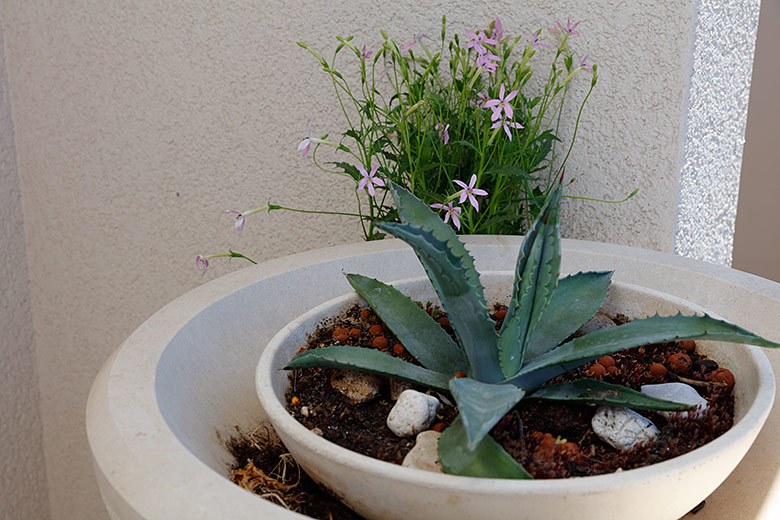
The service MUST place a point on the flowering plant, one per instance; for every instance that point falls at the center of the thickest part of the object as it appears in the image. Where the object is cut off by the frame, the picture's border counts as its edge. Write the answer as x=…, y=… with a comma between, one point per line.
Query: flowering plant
x=454, y=123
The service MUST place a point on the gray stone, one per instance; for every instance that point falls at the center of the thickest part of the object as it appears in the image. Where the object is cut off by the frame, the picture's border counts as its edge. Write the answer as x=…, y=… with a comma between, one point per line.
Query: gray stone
x=425, y=454
x=358, y=387
x=397, y=387
x=598, y=322
x=622, y=428
x=413, y=412
x=679, y=393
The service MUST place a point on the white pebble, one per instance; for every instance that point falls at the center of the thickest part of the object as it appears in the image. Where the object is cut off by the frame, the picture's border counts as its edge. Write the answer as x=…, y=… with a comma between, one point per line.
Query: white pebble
x=622, y=428
x=412, y=413
x=425, y=454
x=679, y=393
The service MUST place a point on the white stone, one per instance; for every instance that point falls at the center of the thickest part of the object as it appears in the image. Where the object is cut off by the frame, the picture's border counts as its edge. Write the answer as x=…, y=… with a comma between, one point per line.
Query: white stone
x=413, y=412
x=622, y=428
x=425, y=454
x=358, y=387
x=679, y=393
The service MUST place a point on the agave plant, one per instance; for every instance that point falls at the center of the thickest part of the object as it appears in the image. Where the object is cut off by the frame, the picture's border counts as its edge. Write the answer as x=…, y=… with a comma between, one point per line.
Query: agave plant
x=531, y=347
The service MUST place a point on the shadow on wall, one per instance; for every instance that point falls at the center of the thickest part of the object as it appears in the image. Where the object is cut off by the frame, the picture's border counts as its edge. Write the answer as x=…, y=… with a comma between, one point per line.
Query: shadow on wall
x=756, y=240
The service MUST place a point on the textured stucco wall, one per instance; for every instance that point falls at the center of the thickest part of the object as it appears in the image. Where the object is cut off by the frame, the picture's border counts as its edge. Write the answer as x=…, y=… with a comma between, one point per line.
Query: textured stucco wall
x=23, y=492
x=724, y=44
x=138, y=123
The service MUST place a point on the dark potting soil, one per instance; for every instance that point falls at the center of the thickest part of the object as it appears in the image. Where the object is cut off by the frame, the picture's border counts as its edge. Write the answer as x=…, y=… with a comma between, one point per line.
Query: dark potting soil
x=551, y=440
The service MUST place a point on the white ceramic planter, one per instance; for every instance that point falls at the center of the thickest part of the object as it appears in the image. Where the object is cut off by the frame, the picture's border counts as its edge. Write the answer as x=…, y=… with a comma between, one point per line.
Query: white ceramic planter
x=163, y=403
x=383, y=491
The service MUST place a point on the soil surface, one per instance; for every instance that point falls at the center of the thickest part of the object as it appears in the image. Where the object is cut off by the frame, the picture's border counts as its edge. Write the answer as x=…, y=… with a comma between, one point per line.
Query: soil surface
x=551, y=440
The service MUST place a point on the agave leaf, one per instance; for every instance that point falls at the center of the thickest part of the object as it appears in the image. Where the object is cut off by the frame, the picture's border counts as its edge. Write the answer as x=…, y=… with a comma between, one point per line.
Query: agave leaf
x=412, y=210
x=369, y=360
x=576, y=300
x=462, y=298
x=656, y=329
x=482, y=405
x=593, y=391
x=488, y=460
x=420, y=334
x=538, y=267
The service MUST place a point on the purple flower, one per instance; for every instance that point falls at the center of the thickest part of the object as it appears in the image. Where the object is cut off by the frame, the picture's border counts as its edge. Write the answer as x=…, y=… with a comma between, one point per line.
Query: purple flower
x=534, y=39
x=365, y=54
x=450, y=212
x=385, y=70
x=478, y=41
x=562, y=31
x=239, y=225
x=469, y=191
x=481, y=99
x=584, y=65
x=202, y=263
x=501, y=103
x=443, y=134
x=417, y=38
x=369, y=180
x=487, y=62
x=507, y=124
x=498, y=30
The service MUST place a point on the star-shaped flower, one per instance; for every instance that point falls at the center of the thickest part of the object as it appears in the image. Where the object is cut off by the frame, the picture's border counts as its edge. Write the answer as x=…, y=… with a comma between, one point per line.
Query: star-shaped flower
x=369, y=180
x=507, y=124
x=502, y=104
x=450, y=212
x=305, y=145
x=469, y=191
x=488, y=62
x=562, y=31
x=202, y=263
x=417, y=38
x=478, y=41
x=534, y=39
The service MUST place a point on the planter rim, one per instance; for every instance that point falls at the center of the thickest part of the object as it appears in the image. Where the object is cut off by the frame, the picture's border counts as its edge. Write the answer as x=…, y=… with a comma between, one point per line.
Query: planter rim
x=128, y=433
x=754, y=417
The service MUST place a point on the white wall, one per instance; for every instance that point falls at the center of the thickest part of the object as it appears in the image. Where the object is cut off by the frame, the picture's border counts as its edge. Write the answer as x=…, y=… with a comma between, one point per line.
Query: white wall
x=23, y=491
x=138, y=123
x=756, y=241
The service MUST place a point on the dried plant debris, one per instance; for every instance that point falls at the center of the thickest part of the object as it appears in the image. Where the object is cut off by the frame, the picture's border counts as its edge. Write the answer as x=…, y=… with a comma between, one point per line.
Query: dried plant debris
x=264, y=467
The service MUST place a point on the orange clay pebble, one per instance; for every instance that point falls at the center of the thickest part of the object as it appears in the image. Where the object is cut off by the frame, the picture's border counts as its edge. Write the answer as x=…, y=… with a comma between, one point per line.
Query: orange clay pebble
x=570, y=449
x=657, y=369
x=340, y=334
x=438, y=427
x=606, y=361
x=379, y=342
x=597, y=370
x=687, y=345
x=355, y=333
x=365, y=314
x=458, y=374
x=295, y=401
x=398, y=349
x=547, y=442
x=500, y=315
x=612, y=370
x=444, y=322
x=680, y=362
x=375, y=330
x=723, y=375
